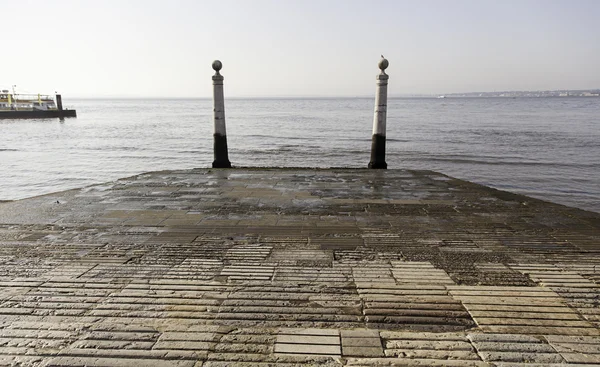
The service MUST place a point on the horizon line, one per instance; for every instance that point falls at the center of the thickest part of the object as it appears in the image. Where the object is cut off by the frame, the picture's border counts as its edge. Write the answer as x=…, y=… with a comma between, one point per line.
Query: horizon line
x=291, y=96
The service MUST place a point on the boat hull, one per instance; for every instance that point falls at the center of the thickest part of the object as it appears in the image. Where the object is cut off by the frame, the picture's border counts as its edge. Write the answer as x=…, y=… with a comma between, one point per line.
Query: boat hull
x=21, y=114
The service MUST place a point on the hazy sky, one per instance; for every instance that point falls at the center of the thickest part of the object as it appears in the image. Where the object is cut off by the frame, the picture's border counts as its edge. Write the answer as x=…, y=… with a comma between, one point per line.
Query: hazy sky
x=87, y=48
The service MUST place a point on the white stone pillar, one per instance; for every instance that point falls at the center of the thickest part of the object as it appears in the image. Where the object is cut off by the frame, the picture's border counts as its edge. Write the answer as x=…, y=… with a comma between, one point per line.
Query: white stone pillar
x=379, y=119
x=220, y=135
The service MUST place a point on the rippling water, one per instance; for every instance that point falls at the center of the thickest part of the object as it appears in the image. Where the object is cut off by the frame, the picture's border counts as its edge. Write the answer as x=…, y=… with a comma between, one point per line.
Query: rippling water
x=544, y=147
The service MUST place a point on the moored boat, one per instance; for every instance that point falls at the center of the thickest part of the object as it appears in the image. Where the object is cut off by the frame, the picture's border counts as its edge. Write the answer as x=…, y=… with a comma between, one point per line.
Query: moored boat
x=17, y=105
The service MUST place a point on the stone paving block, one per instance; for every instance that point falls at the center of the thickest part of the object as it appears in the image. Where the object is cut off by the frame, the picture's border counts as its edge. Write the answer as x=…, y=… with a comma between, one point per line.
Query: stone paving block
x=243, y=348
x=12, y=360
x=430, y=348
x=183, y=345
x=308, y=339
x=112, y=344
x=533, y=322
x=188, y=336
x=16, y=311
x=405, y=362
x=362, y=351
x=579, y=357
x=433, y=346
x=359, y=333
x=576, y=349
x=121, y=335
x=300, y=341
x=33, y=343
x=497, y=314
x=286, y=360
x=316, y=349
x=404, y=335
x=115, y=362
x=308, y=331
x=261, y=337
x=36, y=334
x=514, y=348
x=14, y=351
x=542, y=330
x=419, y=273
x=116, y=353
x=429, y=345
x=361, y=342
x=432, y=354
x=506, y=338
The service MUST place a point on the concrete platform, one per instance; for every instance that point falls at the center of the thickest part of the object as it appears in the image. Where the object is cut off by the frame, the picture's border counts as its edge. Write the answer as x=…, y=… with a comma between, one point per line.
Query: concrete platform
x=262, y=267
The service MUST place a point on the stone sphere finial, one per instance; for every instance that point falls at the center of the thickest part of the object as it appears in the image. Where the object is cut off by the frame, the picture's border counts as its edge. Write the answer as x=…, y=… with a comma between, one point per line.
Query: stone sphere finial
x=217, y=65
x=383, y=63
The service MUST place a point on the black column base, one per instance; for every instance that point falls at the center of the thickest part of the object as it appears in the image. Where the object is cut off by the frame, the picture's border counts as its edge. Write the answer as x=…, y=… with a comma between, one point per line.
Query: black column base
x=221, y=164
x=378, y=152
x=220, y=148
x=378, y=165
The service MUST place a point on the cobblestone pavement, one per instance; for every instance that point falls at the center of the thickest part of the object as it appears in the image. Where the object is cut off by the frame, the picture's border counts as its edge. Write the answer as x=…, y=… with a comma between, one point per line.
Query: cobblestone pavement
x=261, y=267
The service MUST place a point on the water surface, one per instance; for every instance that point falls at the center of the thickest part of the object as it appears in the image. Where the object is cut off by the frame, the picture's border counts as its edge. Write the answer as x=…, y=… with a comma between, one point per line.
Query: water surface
x=544, y=147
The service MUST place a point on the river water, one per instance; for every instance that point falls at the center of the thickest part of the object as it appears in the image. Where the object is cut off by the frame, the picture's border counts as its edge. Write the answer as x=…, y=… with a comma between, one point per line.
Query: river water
x=548, y=148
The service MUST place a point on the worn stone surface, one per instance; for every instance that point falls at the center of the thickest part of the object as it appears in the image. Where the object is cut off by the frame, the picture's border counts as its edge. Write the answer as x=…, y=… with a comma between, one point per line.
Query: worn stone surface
x=263, y=267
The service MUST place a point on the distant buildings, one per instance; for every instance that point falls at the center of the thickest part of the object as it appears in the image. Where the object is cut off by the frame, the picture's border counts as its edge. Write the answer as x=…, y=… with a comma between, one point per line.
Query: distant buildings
x=548, y=93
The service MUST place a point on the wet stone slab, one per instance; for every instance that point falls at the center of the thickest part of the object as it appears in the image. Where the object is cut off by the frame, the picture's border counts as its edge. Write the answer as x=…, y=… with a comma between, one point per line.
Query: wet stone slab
x=266, y=267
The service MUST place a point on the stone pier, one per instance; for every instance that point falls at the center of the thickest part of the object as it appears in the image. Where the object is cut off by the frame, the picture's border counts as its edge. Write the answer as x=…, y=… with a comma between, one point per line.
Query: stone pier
x=290, y=267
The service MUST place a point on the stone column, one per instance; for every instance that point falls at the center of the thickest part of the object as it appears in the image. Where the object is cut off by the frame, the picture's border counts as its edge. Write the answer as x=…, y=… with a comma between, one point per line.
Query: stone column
x=378, y=140
x=220, y=136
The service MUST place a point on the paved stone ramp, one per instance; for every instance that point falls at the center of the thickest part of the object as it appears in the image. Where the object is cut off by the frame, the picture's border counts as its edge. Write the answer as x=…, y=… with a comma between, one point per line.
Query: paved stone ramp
x=291, y=267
